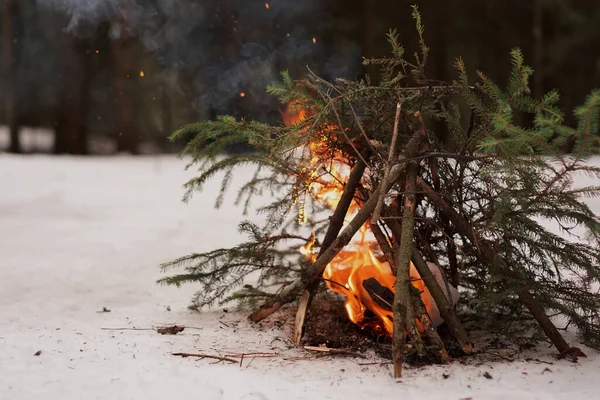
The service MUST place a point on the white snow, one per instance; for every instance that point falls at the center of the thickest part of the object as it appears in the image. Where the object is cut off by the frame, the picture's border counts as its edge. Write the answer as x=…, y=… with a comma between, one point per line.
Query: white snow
x=80, y=234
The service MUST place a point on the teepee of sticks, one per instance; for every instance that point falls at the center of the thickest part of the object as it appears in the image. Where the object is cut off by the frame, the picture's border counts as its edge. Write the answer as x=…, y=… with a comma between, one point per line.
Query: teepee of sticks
x=397, y=194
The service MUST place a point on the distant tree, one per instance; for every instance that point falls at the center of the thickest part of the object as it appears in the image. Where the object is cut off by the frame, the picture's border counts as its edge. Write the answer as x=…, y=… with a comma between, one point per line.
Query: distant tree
x=9, y=33
x=70, y=130
x=123, y=51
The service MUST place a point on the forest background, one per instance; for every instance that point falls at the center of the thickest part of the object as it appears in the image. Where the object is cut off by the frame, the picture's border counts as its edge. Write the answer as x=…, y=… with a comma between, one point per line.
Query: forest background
x=102, y=77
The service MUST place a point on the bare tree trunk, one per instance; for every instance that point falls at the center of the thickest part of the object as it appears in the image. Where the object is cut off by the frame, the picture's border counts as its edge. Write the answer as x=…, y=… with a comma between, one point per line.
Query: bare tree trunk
x=10, y=92
x=123, y=50
x=371, y=35
x=167, y=117
x=70, y=132
x=538, y=49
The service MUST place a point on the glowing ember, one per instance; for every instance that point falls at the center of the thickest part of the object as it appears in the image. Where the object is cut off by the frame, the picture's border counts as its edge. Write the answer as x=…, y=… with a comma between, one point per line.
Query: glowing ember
x=141, y=74
x=314, y=40
x=267, y=6
x=242, y=94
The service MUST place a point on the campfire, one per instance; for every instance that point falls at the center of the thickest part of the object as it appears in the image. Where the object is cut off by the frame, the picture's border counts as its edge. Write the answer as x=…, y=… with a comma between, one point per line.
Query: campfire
x=410, y=210
x=358, y=271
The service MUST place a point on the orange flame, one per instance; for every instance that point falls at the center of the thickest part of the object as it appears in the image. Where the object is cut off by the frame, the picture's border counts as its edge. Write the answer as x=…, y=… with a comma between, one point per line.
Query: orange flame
x=294, y=113
x=356, y=272
x=350, y=273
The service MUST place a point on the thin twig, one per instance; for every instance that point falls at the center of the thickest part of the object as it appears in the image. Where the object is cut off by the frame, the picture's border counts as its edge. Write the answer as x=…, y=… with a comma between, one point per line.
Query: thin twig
x=128, y=329
x=362, y=130
x=256, y=354
x=334, y=351
x=388, y=166
x=201, y=356
x=146, y=329
x=341, y=128
x=441, y=154
x=335, y=283
x=224, y=324
x=327, y=98
x=354, y=114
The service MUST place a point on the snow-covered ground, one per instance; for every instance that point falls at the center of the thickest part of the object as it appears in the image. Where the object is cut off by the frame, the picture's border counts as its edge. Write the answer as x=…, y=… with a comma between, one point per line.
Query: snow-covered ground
x=81, y=234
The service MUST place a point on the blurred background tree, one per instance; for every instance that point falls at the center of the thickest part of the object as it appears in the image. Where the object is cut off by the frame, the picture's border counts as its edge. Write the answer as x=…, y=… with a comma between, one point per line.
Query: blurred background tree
x=119, y=75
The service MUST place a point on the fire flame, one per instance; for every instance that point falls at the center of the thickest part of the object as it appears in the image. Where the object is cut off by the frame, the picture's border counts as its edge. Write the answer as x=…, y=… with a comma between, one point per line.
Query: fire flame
x=367, y=282
x=356, y=272
x=294, y=113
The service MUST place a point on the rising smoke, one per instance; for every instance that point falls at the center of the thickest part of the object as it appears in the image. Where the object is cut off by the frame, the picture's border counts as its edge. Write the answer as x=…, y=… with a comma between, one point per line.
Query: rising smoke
x=228, y=47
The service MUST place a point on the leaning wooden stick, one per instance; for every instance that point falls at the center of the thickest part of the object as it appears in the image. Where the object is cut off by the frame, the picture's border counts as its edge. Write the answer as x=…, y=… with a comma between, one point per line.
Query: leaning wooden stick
x=388, y=165
x=385, y=247
x=419, y=308
x=428, y=328
x=402, y=308
x=335, y=225
x=443, y=303
x=314, y=272
x=403, y=316
x=486, y=253
x=392, y=258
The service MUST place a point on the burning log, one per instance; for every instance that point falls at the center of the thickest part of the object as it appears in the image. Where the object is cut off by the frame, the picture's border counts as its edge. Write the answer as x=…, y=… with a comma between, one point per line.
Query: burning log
x=380, y=294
